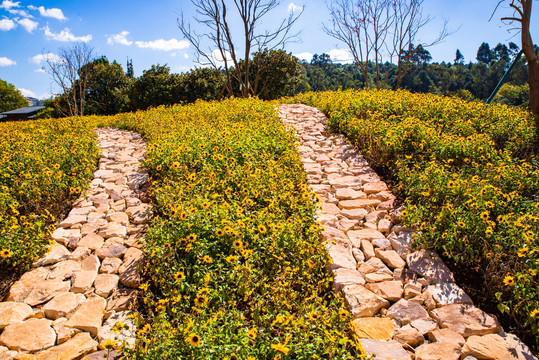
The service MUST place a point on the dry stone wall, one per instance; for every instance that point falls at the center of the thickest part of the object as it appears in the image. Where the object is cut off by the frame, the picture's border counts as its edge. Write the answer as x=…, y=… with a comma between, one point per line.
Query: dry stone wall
x=405, y=303
x=80, y=295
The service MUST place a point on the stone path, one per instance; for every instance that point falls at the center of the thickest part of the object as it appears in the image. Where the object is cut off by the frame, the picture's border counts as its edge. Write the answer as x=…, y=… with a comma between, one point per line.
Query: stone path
x=405, y=304
x=79, y=294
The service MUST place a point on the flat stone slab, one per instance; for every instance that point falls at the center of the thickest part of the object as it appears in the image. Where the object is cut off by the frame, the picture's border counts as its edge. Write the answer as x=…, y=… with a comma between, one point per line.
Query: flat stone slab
x=363, y=302
x=438, y=351
x=467, y=320
x=389, y=290
x=89, y=316
x=62, y=305
x=384, y=350
x=405, y=311
x=448, y=293
x=356, y=236
x=12, y=312
x=376, y=328
x=31, y=335
x=343, y=277
x=80, y=345
x=46, y=290
x=497, y=347
x=429, y=265
x=56, y=254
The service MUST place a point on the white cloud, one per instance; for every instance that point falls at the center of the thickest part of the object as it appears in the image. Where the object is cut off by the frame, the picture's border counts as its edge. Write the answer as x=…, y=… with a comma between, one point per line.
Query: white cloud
x=41, y=70
x=54, y=13
x=293, y=7
x=28, y=24
x=4, y=61
x=342, y=56
x=7, y=24
x=6, y=4
x=27, y=93
x=307, y=56
x=65, y=35
x=120, y=38
x=218, y=59
x=39, y=58
x=165, y=45
x=19, y=12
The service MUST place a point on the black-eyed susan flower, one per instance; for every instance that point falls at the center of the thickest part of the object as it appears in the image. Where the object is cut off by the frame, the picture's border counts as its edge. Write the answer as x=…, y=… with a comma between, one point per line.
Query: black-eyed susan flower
x=251, y=334
x=6, y=253
x=179, y=276
x=262, y=229
x=238, y=244
x=192, y=237
x=201, y=300
x=193, y=340
x=509, y=280
x=485, y=215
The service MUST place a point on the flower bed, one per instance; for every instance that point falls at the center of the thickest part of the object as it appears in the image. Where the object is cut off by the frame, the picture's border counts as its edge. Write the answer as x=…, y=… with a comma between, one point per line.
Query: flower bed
x=44, y=165
x=235, y=264
x=469, y=177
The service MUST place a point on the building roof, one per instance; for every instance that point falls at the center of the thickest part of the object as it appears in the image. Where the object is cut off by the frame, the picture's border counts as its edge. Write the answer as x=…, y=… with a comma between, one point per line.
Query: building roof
x=24, y=110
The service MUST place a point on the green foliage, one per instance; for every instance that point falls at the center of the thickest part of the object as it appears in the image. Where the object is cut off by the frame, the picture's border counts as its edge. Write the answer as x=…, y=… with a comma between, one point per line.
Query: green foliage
x=10, y=97
x=107, y=88
x=513, y=95
x=201, y=83
x=470, y=179
x=156, y=86
x=236, y=268
x=44, y=165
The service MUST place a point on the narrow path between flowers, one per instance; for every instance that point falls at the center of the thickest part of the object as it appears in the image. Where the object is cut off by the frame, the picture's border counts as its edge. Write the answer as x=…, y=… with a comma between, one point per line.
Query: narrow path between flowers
x=405, y=304
x=79, y=296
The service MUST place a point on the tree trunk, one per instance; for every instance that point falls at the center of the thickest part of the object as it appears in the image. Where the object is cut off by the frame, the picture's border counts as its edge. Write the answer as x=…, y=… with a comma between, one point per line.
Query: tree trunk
x=531, y=58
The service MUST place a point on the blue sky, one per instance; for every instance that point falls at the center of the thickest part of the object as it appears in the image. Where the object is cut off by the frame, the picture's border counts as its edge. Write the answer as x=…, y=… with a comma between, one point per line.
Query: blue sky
x=147, y=32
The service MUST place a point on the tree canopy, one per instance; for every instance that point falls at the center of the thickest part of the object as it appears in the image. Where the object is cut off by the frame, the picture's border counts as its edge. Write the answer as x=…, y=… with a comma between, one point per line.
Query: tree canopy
x=10, y=97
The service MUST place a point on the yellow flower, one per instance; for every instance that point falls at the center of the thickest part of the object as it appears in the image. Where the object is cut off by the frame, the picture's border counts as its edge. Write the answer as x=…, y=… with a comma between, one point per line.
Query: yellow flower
x=201, y=300
x=461, y=224
x=179, y=276
x=192, y=237
x=193, y=340
x=6, y=253
x=509, y=280
x=219, y=232
x=534, y=313
x=485, y=215
x=238, y=244
x=522, y=252
x=231, y=258
x=251, y=334
x=280, y=347
x=207, y=259
x=109, y=344
x=262, y=229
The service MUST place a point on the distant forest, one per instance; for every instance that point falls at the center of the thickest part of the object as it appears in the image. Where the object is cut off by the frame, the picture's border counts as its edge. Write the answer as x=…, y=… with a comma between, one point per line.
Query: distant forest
x=472, y=80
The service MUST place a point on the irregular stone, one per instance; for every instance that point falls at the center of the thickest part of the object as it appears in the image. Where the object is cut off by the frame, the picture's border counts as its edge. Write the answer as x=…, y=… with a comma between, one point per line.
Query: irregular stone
x=363, y=302
x=374, y=187
x=110, y=265
x=122, y=299
x=340, y=257
x=391, y=258
x=384, y=226
x=354, y=214
x=351, y=182
x=331, y=209
x=20, y=290
x=140, y=214
x=401, y=243
x=111, y=251
x=404, y=275
x=119, y=217
x=438, y=351
x=103, y=174
x=46, y=290
x=73, y=220
x=6, y=354
x=105, y=283
x=377, y=328
x=389, y=290
x=358, y=255
x=118, y=205
x=91, y=263
x=378, y=265
x=88, y=228
x=378, y=276
x=82, y=281
x=330, y=233
x=89, y=316
x=103, y=355
x=31, y=335
x=66, y=236
x=72, y=349
x=12, y=312
x=446, y=335
x=91, y=241
x=356, y=236
x=349, y=194
x=84, y=210
x=63, y=305
x=384, y=350
x=79, y=253
x=448, y=293
x=429, y=265
x=358, y=204
x=382, y=243
x=367, y=248
x=129, y=270
x=64, y=270
x=467, y=320
x=125, y=333
x=55, y=254
x=405, y=311
x=424, y=326
x=412, y=289
x=343, y=277
x=497, y=347
x=410, y=336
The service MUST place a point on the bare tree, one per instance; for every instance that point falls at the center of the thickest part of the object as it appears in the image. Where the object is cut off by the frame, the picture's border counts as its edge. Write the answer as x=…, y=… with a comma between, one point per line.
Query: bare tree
x=66, y=71
x=387, y=28
x=218, y=45
x=522, y=10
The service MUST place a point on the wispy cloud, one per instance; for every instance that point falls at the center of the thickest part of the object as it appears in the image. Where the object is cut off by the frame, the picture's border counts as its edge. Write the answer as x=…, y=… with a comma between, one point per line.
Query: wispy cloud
x=342, y=56
x=39, y=58
x=6, y=4
x=7, y=24
x=54, y=13
x=4, y=61
x=28, y=24
x=30, y=93
x=164, y=45
x=307, y=56
x=293, y=7
x=120, y=38
x=65, y=35
x=218, y=59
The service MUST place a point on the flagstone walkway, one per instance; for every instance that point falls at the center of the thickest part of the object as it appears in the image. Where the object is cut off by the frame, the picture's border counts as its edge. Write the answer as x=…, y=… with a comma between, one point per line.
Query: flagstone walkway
x=71, y=302
x=405, y=303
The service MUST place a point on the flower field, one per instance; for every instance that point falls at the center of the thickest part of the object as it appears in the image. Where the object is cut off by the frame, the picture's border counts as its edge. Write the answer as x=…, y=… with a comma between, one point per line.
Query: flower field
x=44, y=165
x=470, y=179
x=235, y=265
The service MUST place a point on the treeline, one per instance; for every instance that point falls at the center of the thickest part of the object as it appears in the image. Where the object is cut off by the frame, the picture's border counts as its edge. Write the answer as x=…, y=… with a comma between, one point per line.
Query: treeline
x=467, y=80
